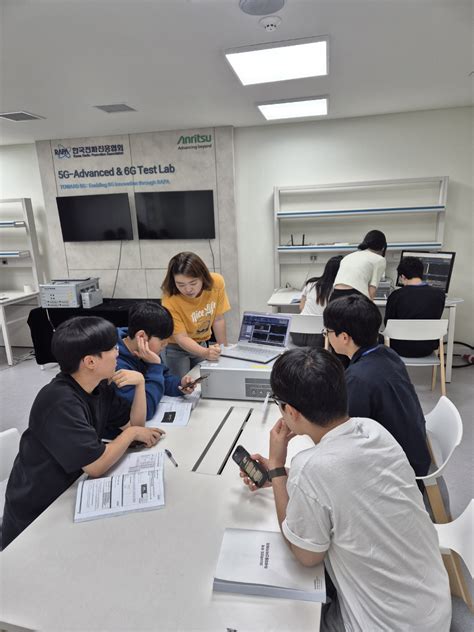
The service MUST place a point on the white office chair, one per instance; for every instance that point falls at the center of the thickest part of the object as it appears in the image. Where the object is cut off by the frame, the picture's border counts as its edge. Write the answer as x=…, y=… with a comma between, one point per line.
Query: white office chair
x=414, y=329
x=444, y=433
x=9, y=442
x=307, y=324
x=457, y=538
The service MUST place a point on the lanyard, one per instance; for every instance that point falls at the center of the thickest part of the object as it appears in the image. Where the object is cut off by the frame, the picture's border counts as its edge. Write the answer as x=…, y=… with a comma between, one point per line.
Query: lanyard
x=369, y=351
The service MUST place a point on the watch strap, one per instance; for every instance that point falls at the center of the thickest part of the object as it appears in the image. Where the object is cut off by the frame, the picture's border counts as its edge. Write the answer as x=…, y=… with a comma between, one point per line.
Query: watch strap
x=277, y=471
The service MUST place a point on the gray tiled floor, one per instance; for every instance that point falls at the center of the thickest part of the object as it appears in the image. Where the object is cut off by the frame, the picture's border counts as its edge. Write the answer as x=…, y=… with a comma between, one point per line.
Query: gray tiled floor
x=19, y=385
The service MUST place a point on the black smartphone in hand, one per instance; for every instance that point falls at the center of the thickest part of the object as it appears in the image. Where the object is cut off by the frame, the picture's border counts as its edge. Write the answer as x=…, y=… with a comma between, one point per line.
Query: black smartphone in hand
x=256, y=472
x=196, y=381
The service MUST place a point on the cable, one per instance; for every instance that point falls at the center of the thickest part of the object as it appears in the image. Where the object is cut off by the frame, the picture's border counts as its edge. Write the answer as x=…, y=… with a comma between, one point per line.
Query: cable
x=212, y=254
x=49, y=320
x=118, y=268
x=463, y=344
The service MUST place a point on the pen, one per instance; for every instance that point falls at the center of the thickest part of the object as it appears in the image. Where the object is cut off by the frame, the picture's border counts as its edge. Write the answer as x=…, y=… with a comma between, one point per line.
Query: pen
x=170, y=456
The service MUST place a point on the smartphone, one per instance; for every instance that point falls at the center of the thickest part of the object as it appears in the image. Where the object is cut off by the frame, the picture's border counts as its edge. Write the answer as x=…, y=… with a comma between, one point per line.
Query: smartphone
x=197, y=381
x=256, y=472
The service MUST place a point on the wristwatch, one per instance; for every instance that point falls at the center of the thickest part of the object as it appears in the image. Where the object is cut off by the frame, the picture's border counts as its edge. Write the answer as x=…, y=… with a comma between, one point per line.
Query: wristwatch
x=278, y=471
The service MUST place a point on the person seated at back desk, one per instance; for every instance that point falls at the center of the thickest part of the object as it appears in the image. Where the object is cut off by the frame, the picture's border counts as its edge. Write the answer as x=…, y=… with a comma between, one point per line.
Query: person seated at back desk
x=378, y=385
x=417, y=300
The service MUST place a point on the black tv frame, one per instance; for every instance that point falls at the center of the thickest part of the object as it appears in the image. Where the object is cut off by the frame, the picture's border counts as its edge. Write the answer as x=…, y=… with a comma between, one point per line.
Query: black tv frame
x=70, y=237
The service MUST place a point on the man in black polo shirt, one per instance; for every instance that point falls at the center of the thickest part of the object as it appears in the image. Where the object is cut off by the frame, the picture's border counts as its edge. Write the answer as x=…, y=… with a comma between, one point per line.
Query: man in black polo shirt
x=415, y=299
x=68, y=419
x=378, y=385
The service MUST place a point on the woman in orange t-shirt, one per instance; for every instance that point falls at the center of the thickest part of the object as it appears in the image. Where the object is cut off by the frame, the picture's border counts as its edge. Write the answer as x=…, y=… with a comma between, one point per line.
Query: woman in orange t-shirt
x=197, y=301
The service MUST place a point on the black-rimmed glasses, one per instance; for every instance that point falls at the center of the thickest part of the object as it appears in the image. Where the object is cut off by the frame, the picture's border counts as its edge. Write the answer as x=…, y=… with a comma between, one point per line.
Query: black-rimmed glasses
x=279, y=402
x=327, y=331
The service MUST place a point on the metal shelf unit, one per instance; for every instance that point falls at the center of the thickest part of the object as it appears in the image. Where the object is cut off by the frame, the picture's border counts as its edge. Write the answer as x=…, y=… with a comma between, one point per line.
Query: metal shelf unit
x=11, y=258
x=423, y=197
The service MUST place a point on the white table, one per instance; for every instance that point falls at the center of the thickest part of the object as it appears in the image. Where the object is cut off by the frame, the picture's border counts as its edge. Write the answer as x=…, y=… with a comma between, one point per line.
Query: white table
x=284, y=297
x=8, y=298
x=152, y=570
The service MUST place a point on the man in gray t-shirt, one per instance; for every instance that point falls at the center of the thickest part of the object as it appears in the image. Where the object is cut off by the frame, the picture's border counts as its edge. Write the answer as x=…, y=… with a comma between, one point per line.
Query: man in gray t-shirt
x=352, y=502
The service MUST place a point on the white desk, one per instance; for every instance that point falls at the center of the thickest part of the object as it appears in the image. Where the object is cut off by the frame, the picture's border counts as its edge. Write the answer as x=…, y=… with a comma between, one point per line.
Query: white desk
x=284, y=297
x=151, y=570
x=13, y=297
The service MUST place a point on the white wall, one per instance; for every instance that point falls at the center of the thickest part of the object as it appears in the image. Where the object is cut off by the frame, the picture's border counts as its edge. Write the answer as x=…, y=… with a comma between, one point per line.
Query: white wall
x=436, y=142
x=408, y=145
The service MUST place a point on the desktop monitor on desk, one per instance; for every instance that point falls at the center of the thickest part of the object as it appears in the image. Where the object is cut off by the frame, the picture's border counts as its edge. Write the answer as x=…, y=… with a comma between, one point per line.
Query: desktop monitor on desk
x=437, y=267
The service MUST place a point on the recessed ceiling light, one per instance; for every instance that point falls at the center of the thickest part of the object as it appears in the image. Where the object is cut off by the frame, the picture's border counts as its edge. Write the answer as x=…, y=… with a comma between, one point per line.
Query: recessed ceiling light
x=297, y=108
x=112, y=108
x=280, y=61
x=20, y=116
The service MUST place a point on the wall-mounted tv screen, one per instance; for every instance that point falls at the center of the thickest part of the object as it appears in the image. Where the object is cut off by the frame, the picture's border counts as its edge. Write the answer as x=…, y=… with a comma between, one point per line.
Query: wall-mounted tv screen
x=175, y=215
x=95, y=217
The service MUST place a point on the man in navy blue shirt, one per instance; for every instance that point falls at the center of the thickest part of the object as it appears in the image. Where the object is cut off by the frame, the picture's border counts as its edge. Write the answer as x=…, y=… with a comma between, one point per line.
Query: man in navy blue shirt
x=378, y=384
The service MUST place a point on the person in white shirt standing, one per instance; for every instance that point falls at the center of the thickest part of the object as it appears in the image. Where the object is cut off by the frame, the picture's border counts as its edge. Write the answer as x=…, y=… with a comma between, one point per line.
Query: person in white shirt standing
x=352, y=501
x=361, y=271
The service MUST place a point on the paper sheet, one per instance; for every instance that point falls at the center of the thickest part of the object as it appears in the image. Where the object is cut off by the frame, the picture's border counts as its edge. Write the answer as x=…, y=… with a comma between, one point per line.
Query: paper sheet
x=172, y=411
x=135, y=484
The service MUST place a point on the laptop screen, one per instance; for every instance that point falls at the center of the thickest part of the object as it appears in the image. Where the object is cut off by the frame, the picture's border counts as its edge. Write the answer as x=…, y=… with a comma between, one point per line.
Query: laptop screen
x=265, y=329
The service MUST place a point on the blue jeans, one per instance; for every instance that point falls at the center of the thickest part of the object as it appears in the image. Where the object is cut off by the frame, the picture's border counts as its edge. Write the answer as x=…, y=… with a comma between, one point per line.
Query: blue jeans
x=180, y=361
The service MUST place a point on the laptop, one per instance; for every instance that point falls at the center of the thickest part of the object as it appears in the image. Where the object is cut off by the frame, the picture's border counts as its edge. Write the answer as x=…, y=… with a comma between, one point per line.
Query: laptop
x=262, y=337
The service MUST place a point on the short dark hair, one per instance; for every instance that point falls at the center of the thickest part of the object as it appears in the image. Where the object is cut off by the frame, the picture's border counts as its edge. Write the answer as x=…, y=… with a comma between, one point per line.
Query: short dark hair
x=81, y=336
x=154, y=319
x=312, y=381
x=355, y=314
x=411, y=268
x=189, y=264
x=374, y=240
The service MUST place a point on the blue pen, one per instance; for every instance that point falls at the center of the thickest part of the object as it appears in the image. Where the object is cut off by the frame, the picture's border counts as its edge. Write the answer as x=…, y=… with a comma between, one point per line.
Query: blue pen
x=170, y=456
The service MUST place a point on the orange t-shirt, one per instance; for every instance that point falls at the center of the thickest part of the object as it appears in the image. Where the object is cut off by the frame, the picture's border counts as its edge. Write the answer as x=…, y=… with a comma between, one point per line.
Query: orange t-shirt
x=195, y=316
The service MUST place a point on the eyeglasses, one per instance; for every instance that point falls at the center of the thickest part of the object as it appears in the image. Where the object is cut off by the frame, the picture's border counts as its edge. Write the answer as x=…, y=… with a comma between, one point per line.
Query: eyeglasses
x=326, y=332
x=279, y=402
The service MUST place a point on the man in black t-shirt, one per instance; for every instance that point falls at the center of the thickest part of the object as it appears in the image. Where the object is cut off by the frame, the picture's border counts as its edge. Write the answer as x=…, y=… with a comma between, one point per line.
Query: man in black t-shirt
x=67, y=422
x=378, y=385
x=416, y=300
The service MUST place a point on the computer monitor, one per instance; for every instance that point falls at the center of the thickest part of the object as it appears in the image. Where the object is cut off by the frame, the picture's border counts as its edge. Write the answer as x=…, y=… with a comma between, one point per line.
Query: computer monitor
x=437, y=267
x=175, y=214
x=102, y=217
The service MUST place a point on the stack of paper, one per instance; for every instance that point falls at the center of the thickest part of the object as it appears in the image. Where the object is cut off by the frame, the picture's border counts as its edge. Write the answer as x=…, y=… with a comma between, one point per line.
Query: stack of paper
x=135, y=483
x=261, y=563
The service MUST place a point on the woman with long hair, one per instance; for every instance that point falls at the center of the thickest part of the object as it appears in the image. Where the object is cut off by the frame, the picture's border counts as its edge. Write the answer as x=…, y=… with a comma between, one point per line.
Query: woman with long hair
x=317, y=290
x=316, y=293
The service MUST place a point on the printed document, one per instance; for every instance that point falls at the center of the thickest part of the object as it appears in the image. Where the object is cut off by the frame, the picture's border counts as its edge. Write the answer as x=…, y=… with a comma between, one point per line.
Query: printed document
x=260, y=563
x=171, y=411
x=134, y=484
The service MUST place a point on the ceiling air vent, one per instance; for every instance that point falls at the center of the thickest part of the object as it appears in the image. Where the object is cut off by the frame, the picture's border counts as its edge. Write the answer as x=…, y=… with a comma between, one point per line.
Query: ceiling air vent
x=20, y=116
x=115, y=107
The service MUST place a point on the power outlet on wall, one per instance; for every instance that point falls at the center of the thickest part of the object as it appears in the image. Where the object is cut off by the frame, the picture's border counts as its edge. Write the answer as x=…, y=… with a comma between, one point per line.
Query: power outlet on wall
x=313, y=257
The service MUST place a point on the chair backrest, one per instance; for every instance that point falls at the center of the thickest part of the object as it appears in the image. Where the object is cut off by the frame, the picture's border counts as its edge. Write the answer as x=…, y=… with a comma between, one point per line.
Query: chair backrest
x=458, y=536
x=306, y=323
x=444, y=429
x=9, y=442
x=415, y=329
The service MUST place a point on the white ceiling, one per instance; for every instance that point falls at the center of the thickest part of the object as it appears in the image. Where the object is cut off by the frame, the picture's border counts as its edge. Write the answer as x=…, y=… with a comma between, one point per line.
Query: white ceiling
x=165, y=58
